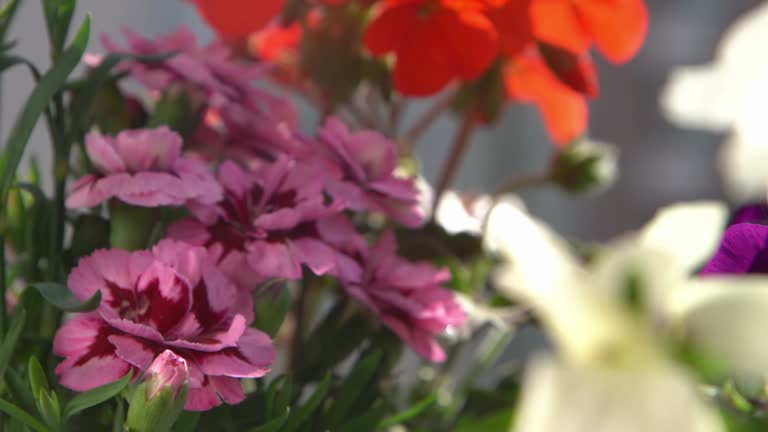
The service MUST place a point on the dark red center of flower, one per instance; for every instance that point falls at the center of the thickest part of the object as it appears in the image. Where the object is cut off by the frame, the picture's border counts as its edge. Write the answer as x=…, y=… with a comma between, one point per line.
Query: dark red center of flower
x=149, y=306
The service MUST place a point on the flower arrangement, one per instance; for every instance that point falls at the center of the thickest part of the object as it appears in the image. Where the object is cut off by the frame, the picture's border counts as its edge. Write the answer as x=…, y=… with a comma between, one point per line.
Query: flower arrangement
x=206, y=262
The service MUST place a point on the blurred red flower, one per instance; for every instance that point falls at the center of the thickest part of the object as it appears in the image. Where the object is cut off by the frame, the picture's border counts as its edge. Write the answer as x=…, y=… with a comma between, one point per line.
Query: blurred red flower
x=528, y=79
x=616, y=27
x=237, y=19
x=434, y=41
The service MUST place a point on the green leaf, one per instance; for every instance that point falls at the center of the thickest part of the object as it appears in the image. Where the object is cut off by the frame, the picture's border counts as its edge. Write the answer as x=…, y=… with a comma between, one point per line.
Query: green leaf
x=38, y=101
x=11, y=338
x=49, y=408
x=96, y=396
x=61, y=297
x=278, y=396
x=19, y=389
x=37, y=380
x=408, y=414
x=7, y=13
x=270, y=311
x=356, y=383
x=302, y=414
x=273, y=425
x=498, y=422
x=187, y=422
x=21, y=415
x=368, y=421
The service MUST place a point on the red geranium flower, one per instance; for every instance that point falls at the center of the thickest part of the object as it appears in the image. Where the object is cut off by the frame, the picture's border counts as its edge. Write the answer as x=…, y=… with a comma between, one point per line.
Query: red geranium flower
x=434, y=42
x=617, y=27
x=236, y=19
x=528, y=79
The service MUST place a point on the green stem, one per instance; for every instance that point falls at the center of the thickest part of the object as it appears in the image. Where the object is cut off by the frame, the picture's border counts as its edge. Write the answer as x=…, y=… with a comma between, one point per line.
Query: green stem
x=131, y=227
x=300, y=309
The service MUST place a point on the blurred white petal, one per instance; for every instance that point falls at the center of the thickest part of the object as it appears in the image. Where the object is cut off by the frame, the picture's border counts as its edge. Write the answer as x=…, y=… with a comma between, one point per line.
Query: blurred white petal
x=688, y=232
x=558, y=397
x=726, y=317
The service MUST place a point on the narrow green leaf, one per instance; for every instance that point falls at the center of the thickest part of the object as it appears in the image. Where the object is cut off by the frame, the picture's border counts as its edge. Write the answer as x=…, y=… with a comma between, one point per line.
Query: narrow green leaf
x=61, y=297
x=38, y=101
x=49, y=408
x=367, y=421
x=409, y=413
x=37, y=380
x=356, y=383
x=19, y=389
x=273, y=425
x=118, y=420
x=283, y=398
x=270, y=310
x=9, y=61
x=11, y=338
x=21, y=415
x=7, y=14
x=96, y=396
x=302, y=414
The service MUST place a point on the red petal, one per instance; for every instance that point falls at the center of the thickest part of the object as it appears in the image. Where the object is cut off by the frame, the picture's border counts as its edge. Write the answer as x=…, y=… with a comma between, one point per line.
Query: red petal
x=565, y=112
x=391, y=29
x=618, y=27
x=576, y=71
x=513, y=23
x=236, y=19
x=468, y=40
x=421, y=69
x=557, y=22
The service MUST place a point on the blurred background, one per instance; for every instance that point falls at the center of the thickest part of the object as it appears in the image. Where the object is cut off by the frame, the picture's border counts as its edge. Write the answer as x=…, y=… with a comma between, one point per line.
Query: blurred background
x=659, y=163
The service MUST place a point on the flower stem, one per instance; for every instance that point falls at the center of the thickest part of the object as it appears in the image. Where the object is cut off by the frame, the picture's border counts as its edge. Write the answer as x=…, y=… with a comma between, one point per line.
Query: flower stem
x=2, y=286
x=455, y=156
x=421, y=125
x=299, y=316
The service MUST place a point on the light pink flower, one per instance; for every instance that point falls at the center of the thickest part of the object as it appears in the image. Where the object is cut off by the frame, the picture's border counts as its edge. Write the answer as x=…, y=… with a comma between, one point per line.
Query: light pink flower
x=368, y=160
x=247, y=118
x=167, y=371
x=408, y=297
x=142, y=167
x=170, y=298
x=271, y=222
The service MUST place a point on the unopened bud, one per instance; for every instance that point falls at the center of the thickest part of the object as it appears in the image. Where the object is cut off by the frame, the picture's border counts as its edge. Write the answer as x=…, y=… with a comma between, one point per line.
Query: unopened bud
x=158, y=401
x=584, y=166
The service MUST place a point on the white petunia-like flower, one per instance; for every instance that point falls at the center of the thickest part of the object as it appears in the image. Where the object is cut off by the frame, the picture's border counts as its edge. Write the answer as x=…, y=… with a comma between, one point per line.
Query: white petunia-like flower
x=729, y=95
x=612, y=372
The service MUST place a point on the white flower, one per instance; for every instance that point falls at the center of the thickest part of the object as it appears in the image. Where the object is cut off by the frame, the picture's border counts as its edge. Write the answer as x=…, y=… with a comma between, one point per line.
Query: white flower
x=613, y=373
x=730, y=95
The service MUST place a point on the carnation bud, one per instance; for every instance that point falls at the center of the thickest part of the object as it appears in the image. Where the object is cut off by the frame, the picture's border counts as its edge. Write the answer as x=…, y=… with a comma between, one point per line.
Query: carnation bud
x=158, y=401
x=584, y=166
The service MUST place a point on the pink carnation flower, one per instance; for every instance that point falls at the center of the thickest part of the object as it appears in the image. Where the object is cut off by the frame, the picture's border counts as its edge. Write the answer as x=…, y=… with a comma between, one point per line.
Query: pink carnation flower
x=407, y=297
x=271, y=222
x=368, y=160
x=246, y=118
x=142, y=167
x=170, y=298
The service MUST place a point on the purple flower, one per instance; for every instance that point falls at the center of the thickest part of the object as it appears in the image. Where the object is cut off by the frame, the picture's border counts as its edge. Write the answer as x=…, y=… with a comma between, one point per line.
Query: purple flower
x=170, y=298
x=753, y=213
x=744, y=249
x=408, y=297
x=368, y=160
x=271, y=222
x=142, y=167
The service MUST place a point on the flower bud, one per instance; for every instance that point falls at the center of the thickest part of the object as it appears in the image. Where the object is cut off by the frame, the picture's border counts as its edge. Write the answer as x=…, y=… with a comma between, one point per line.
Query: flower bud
x=158, y=401
x=179, y=108
x=584, y=166
x=168, y=371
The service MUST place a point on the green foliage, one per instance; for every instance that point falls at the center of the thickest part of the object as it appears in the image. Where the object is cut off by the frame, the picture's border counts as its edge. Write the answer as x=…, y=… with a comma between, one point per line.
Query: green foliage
x=61, y=297
x=96, y=396
x=271, y=309
x=36, y=104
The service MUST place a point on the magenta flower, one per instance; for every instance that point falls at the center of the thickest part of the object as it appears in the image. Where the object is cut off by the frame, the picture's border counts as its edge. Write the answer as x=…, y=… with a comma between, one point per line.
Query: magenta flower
x=408, y=297
x=368, y=160
x=170, y=298
x=271, y=222
x=744, y=249
x=240, y=117
x=142, y=167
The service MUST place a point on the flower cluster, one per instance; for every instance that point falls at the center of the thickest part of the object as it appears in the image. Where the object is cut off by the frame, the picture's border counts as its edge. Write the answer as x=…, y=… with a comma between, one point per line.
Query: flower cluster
x=253, y=216
x=538, y=49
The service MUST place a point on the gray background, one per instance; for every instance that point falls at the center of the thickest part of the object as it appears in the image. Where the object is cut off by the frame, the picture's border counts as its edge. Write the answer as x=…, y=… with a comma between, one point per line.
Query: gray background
x=659, y=163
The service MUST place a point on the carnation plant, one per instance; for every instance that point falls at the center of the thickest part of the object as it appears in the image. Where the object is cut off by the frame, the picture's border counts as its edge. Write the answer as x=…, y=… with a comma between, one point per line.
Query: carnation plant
x=202, y=262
